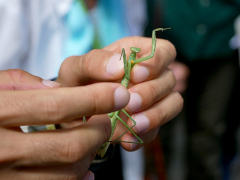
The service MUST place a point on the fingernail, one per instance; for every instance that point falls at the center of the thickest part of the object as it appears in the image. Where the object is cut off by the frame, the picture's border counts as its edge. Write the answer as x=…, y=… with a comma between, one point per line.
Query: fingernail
x=121, y=97
x=135, y=102
x=89, y=176
x=142, y=123
x=140, y=74
x=50, y=83
x=114, y=65
x=132, y=139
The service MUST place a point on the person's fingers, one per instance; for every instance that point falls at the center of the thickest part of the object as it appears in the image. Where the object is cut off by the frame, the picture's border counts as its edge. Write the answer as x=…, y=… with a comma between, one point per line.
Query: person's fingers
x=146, y=138
x=17, y=79
x=165, y=54
x=154, y=117
x=70, y=171
x=54, y=148
x=97, y=65
x=106, y=65
x=145, y=94
x=89, y=176
x=159, y=113
x=53, y=106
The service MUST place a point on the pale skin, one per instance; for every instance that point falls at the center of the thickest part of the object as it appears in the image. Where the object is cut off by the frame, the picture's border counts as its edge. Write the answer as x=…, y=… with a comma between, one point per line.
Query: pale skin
x=82, y=90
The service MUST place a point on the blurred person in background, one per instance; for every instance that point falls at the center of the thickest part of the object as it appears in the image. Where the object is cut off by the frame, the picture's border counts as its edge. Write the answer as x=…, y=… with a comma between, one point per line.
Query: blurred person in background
x=207, y=73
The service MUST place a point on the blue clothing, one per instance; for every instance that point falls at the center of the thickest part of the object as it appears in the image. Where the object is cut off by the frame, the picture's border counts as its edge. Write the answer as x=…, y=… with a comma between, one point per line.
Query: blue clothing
x=201, y=30
x=105, y=22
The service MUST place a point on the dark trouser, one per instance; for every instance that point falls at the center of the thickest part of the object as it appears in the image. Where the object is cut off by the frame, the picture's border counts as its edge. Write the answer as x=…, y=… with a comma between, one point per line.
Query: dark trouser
x=211, y=117
x=212, y=114
x=111, y=168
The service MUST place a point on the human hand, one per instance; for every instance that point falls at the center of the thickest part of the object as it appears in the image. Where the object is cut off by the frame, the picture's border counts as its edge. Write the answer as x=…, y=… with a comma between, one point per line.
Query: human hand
x=152, y=101
x=58, y=154
x=181, y=72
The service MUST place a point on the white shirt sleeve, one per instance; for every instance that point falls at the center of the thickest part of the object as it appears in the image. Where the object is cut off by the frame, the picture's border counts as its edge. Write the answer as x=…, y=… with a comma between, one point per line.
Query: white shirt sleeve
x=31, y=35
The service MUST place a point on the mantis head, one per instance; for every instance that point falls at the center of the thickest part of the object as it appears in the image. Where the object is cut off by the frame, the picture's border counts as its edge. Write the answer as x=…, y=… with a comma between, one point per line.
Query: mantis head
x=135, y=49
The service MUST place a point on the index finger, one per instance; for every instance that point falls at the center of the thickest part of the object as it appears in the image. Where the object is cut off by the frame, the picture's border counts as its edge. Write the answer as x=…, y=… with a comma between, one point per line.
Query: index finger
x=54, y=106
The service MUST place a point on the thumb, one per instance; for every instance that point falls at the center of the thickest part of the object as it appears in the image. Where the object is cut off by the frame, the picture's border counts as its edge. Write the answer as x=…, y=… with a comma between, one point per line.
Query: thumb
x=17, y=79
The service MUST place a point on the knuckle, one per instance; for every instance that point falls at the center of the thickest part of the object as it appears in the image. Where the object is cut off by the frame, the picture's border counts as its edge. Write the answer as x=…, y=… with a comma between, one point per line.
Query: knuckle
x=84, y=65
x=52, y=109
x=179, y=99
x=15, y=74
x=58, y=152
x=71, y=152
x=169, y=49
x=69, y=61
x=107, y=130
x=154, y=133
x=154, y=94
x=4, y=158
x=172, y=78
x=9, y=154
x=161, y=115
x=100, y=100
x=85, y=62
x=72, y=177
x=95, y=102
x=176, y=101
x=64, y=64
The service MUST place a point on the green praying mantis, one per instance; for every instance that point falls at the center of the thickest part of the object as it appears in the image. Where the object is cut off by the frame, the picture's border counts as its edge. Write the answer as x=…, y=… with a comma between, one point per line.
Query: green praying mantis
x=114, y=116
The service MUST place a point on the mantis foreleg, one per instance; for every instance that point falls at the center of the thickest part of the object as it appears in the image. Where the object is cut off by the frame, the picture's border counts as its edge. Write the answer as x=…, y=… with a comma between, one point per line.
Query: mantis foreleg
x=153, y=46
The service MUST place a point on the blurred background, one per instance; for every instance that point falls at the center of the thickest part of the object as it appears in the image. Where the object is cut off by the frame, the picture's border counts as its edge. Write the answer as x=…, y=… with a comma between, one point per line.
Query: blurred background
x=203, y=142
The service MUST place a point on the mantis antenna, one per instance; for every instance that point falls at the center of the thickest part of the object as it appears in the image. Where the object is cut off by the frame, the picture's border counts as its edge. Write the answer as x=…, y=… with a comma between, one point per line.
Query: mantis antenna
x=130, y=30
x=143, y=32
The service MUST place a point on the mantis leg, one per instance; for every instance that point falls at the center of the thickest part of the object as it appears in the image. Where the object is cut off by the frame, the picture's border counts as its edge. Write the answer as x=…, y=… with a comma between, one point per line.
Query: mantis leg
x=129, y=129
x=84, y=119
x=153, y=46
x=123, y=54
